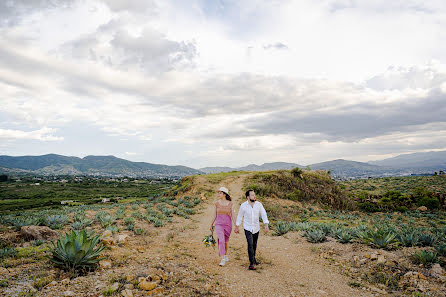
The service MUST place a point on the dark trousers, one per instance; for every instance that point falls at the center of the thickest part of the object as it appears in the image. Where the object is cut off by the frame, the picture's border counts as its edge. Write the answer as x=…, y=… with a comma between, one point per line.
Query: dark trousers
x=252, y=246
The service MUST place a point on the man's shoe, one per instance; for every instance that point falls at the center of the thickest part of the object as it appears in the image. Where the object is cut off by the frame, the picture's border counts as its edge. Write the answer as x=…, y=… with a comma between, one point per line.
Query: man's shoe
x=251, y=267
x=222, y=263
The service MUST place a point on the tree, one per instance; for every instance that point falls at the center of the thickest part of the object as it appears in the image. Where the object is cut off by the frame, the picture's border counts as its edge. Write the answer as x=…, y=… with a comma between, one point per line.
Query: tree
x=3, y=178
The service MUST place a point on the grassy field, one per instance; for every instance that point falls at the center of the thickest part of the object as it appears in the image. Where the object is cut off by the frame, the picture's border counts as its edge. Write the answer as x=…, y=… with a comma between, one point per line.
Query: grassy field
x=403, y=184
x=28, y=195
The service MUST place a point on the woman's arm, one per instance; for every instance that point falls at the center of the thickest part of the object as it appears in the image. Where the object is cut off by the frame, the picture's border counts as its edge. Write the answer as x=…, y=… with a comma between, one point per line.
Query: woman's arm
x=215, y=217
x=233, y=215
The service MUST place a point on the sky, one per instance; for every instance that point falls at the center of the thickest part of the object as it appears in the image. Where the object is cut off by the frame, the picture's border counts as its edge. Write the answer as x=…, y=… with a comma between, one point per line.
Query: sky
x=223, y=83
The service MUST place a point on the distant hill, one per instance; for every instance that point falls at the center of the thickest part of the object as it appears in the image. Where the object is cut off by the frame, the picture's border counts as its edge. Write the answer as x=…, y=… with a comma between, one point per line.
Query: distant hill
x=347, y=168
x=252, y=167
x=53, y=164
x=432, y=161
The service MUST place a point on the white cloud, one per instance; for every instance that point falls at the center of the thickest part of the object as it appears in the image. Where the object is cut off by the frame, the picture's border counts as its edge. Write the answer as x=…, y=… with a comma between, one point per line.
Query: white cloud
x=238, y=81
x=44, y=134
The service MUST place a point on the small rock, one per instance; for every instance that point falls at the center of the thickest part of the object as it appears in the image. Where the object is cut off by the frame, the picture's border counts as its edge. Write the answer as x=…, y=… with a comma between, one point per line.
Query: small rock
x=156, y=291
x=148, y=286
x=363, y=261
x=108, y=240
x=129, y=278
x=107, y=233
x=53, y=283
x=381, y=259
x=126, y=293
x=129, y=286
x=367, y=255
x=65, y=281
x=374, y=256
x=114, y=287
x=122, y=238
x=422, y=208
x=436, y=268
x=105, y=264
x=69, y=293
x=378, y=290
x=409, y=274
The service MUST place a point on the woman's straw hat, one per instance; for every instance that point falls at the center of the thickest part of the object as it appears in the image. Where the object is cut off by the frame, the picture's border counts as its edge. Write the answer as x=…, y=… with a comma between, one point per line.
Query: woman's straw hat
x=224, y=190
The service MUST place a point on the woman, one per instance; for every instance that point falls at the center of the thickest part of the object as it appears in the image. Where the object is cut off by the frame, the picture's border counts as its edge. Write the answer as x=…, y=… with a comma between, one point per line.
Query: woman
x=223, y=218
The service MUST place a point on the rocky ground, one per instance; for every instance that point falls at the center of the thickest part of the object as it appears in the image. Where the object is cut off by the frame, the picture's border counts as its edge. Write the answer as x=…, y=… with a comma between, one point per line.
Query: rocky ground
x=172, y=260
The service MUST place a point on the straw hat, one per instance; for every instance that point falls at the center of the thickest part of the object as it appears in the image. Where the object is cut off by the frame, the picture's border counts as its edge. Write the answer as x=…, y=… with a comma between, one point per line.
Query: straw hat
x=224, y=190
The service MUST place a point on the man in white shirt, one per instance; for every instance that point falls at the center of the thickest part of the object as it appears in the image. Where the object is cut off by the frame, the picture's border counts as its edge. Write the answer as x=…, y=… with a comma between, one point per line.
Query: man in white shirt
x=250, y=210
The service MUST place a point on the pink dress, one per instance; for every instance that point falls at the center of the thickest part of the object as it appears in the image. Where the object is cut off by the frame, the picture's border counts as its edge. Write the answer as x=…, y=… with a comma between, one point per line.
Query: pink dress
x=223, y=225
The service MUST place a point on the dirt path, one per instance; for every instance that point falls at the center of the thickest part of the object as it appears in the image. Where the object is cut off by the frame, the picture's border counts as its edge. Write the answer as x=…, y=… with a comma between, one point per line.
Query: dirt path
x=287, y=269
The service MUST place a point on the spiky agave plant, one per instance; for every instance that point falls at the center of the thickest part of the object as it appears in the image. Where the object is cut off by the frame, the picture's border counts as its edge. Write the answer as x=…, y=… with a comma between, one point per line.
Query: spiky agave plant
x=379, y=238
x=427, y=258
x=315, y=235
x=281, y=228
x=77, y=252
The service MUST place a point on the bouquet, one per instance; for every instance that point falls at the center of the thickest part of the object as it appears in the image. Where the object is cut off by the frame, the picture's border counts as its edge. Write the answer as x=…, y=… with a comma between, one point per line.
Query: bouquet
x=209, y=240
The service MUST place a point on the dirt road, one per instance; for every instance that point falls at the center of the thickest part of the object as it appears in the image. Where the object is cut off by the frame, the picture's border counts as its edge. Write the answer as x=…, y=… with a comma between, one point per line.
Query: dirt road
x=288, y=268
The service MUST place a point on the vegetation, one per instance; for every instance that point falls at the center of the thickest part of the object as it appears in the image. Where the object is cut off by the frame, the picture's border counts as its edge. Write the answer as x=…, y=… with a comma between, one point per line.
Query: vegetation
x=77, y=252
x=35, y=193
x=298, y=185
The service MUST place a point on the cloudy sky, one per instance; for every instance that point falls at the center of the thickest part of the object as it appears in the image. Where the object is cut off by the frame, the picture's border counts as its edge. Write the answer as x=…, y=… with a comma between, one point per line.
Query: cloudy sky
x=223, y=83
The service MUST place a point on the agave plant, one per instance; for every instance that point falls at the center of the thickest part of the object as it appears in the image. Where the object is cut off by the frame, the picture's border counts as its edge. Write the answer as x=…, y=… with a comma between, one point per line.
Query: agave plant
x=56, y=221
x=281, y=228
x=441, y=250
x=344, y=236
x=378, y=238
x=7, y=252
x=408, y=238
x=427, y=239
x=77, y=252
x=315, y=235
x=427, y=258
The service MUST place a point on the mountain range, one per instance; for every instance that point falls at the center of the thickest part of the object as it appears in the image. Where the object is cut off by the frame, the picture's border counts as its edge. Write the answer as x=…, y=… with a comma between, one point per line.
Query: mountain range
x=52, y=164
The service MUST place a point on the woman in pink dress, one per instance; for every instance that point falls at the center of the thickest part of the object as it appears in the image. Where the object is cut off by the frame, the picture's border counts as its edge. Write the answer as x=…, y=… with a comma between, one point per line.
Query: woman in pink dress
x=224, y=218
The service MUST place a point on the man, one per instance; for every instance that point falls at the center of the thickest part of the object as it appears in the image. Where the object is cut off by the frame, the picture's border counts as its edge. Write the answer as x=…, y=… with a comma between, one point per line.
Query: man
x=250, y=210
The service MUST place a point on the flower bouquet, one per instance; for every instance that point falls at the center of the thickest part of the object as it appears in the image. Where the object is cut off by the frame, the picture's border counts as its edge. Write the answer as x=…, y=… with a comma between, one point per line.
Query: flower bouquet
x=209, y=240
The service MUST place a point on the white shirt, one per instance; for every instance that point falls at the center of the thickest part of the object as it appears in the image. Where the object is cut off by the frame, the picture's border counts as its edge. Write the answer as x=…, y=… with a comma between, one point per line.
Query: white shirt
x=251, y=216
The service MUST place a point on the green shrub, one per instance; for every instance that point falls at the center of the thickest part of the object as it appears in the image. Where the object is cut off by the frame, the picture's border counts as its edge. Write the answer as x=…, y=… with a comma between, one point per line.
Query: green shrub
x=408, y=238
x=281, y=228
x=427, y=258
x=427, y=239
x=7, y=252
x=77, y=252
x=368, y=206
x=378, y=238
x=441, y=250
x=315, y=236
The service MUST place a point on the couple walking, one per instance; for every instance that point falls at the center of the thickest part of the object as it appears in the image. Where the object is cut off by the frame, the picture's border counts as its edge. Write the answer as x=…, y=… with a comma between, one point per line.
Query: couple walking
x=249, y=211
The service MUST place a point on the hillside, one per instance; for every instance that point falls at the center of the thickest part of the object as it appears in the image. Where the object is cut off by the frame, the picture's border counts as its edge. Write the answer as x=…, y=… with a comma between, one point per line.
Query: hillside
x=53, y=164
x=433, y=161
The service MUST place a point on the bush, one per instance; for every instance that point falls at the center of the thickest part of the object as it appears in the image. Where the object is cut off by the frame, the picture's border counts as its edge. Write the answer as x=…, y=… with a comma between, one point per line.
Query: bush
x=315, y=236
x=368, y=206
x=409, y=238
x=427, y=239
x=427, y=258
x=378, y=238
x=281, y=228
x=77, y=252
x=429, y=202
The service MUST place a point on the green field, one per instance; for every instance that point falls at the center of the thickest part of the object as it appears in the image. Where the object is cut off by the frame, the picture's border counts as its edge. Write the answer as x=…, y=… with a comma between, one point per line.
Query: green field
x=27, y=195
x=403, y=184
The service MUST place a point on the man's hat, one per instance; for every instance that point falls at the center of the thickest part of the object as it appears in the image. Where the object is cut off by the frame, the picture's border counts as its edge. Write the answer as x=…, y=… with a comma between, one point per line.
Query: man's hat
x=224, y=190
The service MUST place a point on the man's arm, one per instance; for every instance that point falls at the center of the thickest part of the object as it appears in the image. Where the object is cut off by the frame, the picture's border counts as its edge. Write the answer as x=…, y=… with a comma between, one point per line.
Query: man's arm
x=264, y=217
x=239, y=219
